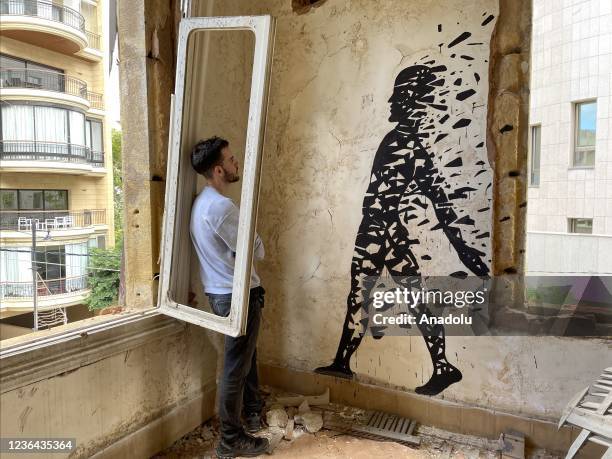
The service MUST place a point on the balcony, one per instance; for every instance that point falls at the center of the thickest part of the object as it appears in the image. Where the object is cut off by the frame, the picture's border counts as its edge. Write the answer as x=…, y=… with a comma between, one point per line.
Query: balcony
x=44, y=24
x=48, y=220
x=17, y=297
x=45, y=86
x=33, y=156
x=96, y=100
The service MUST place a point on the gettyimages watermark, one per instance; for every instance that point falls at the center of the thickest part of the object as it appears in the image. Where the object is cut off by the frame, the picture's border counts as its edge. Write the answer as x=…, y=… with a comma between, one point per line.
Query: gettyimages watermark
x=482, y=306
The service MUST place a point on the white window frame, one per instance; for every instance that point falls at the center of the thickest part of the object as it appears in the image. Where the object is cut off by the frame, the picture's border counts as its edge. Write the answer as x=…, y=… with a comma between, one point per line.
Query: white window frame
x=177, y=204
x=532, y=128
x=571, y=225
x=575, y=147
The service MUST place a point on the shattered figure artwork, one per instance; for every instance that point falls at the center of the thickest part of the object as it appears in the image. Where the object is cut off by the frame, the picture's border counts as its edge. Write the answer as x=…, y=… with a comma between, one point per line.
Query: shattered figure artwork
x=404, y=181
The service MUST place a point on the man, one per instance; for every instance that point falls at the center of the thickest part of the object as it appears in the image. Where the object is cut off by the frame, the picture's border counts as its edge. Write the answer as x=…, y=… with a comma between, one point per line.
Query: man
x=214, y=232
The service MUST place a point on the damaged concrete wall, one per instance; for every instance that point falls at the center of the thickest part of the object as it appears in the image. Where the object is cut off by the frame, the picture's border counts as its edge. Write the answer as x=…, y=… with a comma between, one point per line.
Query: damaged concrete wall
x=152, y=393
x=333, y=76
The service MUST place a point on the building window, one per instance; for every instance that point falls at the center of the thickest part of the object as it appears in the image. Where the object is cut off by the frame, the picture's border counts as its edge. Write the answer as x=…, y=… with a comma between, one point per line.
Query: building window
x=51, y=262
x=9, y=200
x=101, y=242
x=536, y=144
x=584, y=136
x=34, y=199
x=20, y=73
x=580, y=225
x=93, y=135
x=44, y=131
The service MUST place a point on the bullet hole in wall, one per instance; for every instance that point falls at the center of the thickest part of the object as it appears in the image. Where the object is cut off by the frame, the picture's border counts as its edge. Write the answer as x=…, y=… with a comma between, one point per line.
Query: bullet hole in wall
x=304, y=6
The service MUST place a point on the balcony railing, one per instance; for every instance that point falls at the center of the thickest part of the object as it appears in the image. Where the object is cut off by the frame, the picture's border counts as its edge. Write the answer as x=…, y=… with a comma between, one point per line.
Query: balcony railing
x=23, y=220
x=49, y=287
x=95, y=100
x=27, y=150
x=47, y=80
x=93, y=40
x=44, y=10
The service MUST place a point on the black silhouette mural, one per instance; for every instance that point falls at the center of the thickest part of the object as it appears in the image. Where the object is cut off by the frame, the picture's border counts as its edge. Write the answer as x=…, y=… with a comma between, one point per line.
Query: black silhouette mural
x=430, y=141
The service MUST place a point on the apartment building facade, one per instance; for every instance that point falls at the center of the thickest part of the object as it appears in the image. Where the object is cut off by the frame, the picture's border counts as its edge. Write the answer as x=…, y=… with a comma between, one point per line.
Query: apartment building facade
x=56, y=187
x=569, y=224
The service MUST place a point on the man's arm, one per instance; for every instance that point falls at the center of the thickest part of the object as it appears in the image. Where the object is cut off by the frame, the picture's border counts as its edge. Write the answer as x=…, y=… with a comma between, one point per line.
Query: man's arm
x=227, y=229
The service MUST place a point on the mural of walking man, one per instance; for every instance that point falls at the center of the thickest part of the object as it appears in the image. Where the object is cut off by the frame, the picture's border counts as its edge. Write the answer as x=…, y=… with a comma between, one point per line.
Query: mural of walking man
x=404, y=182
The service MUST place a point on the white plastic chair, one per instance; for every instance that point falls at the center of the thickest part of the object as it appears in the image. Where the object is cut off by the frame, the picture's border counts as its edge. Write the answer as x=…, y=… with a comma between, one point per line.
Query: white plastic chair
x=24, y=224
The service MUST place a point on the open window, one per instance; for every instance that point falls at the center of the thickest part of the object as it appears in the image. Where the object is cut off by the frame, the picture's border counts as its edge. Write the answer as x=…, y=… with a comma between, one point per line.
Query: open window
x=217, y=91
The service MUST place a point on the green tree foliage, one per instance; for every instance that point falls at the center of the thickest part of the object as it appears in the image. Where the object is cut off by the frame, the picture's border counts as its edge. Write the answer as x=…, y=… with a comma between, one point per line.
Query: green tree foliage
x=117, y=184
x=104, y=278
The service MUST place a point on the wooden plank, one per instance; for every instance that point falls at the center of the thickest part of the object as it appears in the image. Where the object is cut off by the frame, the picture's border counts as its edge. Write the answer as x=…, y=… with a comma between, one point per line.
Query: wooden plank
x=596, y=423
x=580, y=439
x=513, y=446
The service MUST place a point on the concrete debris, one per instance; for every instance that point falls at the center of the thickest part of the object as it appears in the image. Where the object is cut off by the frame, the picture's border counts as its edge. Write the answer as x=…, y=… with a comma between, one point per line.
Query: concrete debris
x=291, y=412
x=274, y=438
x=304, y=407
x=289, y=429
x=277, y=417
x=312, y=421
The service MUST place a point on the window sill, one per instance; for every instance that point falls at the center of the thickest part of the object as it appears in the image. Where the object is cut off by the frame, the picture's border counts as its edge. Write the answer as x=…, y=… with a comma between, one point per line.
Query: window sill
x=25, y=361
x=580, y=168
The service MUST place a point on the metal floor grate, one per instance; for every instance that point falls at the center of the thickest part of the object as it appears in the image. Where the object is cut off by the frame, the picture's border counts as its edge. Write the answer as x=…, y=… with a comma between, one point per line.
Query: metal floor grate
x=380, y=426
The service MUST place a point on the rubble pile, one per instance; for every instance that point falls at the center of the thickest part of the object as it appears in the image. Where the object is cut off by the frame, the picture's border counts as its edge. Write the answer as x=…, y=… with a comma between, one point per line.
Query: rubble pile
x=289, y=417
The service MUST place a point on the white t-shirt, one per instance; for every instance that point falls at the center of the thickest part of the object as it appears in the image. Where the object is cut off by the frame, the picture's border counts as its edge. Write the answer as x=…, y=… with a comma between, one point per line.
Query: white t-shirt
x=214, y=232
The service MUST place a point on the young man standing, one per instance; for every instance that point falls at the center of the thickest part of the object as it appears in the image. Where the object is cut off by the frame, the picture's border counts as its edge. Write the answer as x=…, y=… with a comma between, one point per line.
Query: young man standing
x=214, y=232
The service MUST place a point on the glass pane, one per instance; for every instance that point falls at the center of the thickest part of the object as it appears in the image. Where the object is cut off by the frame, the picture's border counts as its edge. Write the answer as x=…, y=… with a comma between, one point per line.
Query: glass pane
x=88, y=133
x=51, y=124
x=8, y=62
x=581, y=225
x=77, y=128
x=587, y=118
x=17, y=125
x=56, y=199
x=535, y=154
x=584, y=158
x=8, y=199
x=96, y=136
x=31, y=199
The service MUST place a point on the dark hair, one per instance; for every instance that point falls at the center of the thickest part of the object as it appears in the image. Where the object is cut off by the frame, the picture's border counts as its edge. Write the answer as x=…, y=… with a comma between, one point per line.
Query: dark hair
x=206, y=154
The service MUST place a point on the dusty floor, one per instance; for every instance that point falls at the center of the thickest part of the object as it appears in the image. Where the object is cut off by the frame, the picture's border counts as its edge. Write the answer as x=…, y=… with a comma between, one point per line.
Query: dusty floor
x=328, y=444
x=435, y=443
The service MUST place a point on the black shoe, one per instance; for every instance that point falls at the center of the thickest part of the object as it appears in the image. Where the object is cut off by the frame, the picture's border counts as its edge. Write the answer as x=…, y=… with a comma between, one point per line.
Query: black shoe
x=439, y=382
x=252, y=422
x=244, y=445
x=339, y=371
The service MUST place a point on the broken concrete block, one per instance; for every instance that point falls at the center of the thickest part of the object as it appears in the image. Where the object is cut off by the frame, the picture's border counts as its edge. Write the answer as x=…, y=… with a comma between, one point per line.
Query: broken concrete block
x=274, y=438
x=312, y=421
x=289, y=429
x=304, y=407
x=291, y=412
x=277, y=417
x=276, y=406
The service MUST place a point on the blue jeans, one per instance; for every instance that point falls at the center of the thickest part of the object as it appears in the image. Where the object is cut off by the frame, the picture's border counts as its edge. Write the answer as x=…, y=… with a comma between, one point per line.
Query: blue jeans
x=239, y=389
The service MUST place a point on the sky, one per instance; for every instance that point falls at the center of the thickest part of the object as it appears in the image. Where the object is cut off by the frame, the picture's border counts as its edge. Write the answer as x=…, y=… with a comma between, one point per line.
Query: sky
x=113, y=97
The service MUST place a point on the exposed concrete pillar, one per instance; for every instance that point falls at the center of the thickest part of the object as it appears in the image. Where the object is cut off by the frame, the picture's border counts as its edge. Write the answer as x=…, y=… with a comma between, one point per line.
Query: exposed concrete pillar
x=145, y=48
